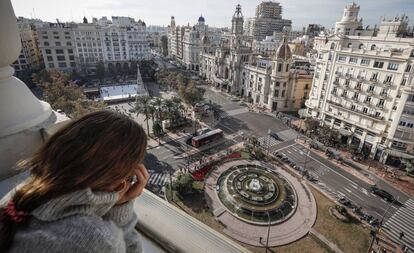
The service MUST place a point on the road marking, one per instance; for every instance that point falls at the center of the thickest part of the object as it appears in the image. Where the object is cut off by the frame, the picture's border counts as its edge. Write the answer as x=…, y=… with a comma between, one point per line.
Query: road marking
x=330, y=169
x=354, y=186
x=280, y=149
x=353, y=194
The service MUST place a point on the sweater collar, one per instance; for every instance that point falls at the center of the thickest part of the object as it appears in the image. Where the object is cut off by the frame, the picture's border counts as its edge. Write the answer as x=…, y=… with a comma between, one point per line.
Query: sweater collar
x=83, y=202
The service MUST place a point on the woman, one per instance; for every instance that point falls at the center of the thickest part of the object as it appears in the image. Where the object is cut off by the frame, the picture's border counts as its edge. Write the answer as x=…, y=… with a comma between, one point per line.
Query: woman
x=80, y=195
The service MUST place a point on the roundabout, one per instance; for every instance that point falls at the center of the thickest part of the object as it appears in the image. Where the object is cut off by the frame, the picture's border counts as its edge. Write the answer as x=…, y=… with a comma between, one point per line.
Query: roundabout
x=256, y=194
x=252, y=199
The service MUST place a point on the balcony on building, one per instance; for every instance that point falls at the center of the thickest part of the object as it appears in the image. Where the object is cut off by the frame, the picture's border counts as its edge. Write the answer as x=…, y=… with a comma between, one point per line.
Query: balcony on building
x=357, y=111
x=26, y=123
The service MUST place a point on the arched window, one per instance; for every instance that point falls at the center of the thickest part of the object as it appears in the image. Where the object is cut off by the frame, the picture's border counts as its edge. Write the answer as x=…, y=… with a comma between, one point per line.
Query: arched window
x=373, y=47
x=332, y=45
x=361, y=46
x=349, y=45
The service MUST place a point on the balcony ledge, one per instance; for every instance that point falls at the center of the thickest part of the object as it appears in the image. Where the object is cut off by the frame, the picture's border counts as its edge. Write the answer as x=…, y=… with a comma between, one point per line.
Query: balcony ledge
x=164, y=227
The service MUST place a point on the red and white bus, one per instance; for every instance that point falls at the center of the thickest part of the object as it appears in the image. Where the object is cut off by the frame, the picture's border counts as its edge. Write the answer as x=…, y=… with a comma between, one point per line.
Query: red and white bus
x=208, y=137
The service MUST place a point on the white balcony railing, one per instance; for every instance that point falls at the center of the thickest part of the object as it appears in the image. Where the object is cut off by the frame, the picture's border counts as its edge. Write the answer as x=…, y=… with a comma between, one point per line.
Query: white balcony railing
x=26, y=122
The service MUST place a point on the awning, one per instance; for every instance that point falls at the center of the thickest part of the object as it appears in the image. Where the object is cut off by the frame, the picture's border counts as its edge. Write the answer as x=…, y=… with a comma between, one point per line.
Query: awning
x=345, y=132
x=400, y=154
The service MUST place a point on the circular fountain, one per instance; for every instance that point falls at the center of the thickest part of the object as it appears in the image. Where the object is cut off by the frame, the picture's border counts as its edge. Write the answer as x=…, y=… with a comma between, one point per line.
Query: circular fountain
x=256, y=194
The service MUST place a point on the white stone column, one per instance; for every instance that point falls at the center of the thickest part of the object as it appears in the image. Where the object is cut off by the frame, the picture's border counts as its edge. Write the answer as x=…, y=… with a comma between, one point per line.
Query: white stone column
x=22, y=115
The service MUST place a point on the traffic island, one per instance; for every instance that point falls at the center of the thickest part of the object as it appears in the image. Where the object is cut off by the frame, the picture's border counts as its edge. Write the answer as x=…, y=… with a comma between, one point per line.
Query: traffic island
x=260, y=204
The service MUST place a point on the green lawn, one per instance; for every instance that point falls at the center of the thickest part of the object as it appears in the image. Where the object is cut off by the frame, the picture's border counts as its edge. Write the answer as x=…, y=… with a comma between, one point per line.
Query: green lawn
x=349, y=237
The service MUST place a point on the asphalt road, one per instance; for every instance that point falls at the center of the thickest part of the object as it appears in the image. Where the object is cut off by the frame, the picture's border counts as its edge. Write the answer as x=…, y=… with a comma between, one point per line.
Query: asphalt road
x=336, y=181
x=235, y=118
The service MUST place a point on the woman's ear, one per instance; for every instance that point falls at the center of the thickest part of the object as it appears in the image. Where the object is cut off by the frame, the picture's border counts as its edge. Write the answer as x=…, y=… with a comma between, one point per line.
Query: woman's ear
x=121, y=187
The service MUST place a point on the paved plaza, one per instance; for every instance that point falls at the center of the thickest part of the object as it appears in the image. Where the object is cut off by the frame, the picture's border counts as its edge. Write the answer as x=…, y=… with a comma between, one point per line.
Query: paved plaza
x=296, y=227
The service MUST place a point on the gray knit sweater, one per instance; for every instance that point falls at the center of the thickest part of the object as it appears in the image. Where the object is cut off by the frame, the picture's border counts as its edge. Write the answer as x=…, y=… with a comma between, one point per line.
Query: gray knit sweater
x=82, y=221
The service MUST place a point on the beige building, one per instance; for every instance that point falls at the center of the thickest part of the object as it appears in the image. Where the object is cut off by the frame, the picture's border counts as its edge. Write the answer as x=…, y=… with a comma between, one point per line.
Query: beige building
x=30, y=58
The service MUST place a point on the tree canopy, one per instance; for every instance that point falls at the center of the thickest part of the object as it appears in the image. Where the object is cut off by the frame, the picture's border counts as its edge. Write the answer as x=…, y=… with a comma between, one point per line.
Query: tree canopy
x=61, y=93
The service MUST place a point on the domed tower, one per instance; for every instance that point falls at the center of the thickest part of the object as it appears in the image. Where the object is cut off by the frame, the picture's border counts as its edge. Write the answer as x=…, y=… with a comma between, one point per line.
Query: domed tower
x=280, y=73
x=172, y=23
x=201, y=20
x=349, y=22
x=282, y=58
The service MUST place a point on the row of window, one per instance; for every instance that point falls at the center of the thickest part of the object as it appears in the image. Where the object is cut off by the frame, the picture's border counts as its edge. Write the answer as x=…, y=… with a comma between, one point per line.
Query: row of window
x=62, y=65
x=364, y=110
x=58, y=43
x=60, y=58
x=58, y=51
x=366, y=62
x=406, y=124
x=55, y=32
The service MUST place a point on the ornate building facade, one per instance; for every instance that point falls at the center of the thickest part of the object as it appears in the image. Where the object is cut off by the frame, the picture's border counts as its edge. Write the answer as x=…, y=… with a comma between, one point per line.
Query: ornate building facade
x=270, y=83
x=363, y=86
x=185, y=42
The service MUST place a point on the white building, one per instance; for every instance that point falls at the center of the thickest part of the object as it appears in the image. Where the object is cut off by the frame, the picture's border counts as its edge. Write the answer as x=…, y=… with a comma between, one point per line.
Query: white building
x=79, y=47
x=268, y=46
x=185, y=42
x=363, y=85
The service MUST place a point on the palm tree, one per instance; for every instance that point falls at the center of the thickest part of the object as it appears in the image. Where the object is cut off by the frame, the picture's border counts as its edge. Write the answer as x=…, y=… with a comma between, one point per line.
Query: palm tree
x=170, y=106
x=142, y=106
x=159, y=105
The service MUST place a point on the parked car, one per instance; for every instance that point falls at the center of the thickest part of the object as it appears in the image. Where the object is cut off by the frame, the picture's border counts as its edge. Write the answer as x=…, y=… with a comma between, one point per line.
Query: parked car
x=382, y=193
x=234, y=99
x=344, y=201
x=374, y=222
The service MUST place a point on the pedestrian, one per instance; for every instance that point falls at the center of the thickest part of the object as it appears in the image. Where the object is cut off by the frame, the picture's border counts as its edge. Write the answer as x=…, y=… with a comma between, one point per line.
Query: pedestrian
x=260, y=239
x=81, y=190
x=401, y=235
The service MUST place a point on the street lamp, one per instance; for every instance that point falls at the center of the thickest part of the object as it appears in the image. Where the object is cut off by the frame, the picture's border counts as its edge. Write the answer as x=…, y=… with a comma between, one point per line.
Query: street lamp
x=268, y=140
x=380, y=224
x=268, y=231
x=305, y=163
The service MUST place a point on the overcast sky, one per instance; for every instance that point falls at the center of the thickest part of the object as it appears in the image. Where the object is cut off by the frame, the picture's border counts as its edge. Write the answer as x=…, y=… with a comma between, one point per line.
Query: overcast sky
x=217, y=13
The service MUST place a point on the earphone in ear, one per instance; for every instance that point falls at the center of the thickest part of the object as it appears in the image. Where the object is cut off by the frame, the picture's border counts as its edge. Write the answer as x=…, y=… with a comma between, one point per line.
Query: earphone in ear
x=132, y=180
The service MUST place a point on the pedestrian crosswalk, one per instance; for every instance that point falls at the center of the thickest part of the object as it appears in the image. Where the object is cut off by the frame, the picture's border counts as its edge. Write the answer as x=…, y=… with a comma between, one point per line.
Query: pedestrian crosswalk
x=402, y=221
x=267, y=141
x=158, y=179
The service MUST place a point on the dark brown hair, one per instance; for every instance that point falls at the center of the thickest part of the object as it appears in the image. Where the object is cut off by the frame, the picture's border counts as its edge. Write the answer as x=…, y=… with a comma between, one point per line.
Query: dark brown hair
x=94, y=151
